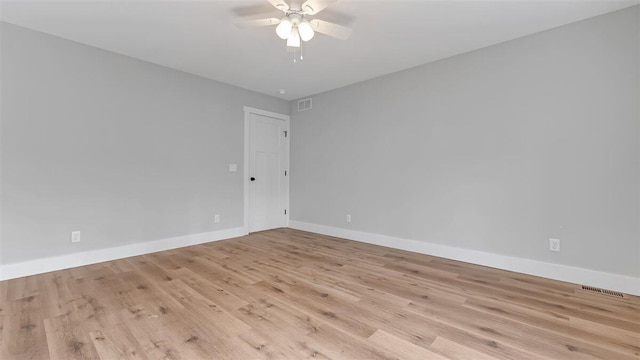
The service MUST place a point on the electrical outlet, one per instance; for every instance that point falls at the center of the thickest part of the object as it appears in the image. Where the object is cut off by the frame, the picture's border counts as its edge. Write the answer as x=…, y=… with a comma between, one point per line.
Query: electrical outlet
x=216, y=218
x=75, y=236
x=554, y=245
x=348, y=218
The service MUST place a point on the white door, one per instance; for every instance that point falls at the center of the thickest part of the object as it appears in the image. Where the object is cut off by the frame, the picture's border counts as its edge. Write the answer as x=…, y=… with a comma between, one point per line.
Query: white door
x=268, y=185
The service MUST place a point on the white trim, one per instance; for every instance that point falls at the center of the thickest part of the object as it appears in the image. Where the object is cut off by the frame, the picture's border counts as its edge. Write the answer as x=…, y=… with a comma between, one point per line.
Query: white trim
x=245, y=170
x=622, y=283
x=287, y=180
x=39, y=266
x=250, y=110
x=245, y=188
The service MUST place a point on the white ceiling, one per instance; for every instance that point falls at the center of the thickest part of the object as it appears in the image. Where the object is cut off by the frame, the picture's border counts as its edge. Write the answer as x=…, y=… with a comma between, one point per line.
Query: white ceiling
x=199, y=37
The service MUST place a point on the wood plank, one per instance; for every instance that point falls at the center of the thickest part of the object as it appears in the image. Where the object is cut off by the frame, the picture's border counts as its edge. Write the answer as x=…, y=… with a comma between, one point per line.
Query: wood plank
x=208, y=289
x=68, y=339
x=117, y=343
x=453, y=350
x=22, y=288
x=402, y=348
x=23, y=332
x=53, y=287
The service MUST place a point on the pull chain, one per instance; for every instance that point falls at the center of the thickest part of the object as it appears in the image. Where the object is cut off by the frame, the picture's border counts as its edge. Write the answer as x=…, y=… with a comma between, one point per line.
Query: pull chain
x=295, y=54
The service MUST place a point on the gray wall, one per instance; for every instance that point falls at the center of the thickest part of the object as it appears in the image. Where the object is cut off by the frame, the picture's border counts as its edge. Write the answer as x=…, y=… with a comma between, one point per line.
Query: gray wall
x=494, y=150
x=123, y=150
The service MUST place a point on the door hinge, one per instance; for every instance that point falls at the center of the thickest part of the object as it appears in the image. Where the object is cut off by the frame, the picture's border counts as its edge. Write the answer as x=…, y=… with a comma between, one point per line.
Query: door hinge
x=285, y=133
x=285, y=211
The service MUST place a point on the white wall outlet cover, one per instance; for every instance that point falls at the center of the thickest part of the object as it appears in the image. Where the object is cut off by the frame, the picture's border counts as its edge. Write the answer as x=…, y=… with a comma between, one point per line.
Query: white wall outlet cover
x=75, y=236
x=233, y=167
x=554, y=245
x=348, y=218
x=216, y=218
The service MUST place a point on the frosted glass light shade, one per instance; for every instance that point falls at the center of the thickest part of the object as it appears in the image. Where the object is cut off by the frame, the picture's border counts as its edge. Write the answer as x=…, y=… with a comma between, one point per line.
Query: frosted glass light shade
x=284, y=29
x=305, y=30
x=294, y=38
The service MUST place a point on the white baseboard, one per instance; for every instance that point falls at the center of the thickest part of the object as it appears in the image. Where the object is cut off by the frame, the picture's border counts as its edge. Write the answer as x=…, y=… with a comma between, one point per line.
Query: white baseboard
x=39, y=266
x=622, y=283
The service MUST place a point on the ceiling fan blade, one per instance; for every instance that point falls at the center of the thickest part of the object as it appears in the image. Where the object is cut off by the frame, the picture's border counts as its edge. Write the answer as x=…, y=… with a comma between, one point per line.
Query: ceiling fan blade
x=255, y=11
x=257, y=23
x=331, y=29
x=280, y=4
x=312, y=7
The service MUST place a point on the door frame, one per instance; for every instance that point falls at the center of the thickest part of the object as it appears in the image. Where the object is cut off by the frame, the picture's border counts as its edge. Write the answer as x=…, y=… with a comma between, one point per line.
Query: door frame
x=247, y=126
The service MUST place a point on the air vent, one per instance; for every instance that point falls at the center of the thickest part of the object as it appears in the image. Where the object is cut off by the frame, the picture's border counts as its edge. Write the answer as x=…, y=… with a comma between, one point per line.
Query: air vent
x=304, y=104
x=602, y=291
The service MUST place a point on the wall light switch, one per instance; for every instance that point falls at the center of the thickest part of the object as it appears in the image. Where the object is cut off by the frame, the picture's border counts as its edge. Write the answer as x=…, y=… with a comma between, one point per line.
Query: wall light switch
x=75, y=236
x=233, y=167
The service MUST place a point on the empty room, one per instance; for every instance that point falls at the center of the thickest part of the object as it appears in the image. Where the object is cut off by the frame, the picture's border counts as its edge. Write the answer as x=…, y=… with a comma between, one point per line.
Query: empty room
x=326, y=179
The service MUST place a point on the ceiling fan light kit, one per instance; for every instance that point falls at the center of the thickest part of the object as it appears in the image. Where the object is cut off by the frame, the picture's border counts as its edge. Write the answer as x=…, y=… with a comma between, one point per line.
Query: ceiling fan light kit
x=294, y=38
x=305, y=31
x=284, y=29
x=294, y=27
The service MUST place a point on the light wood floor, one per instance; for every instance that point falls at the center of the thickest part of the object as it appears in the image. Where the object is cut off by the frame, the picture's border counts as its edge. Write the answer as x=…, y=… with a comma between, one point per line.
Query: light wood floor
x=287, y=294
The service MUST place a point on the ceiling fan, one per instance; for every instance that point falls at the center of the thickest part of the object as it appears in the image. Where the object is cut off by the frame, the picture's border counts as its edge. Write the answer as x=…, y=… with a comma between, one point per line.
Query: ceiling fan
x=296, y=25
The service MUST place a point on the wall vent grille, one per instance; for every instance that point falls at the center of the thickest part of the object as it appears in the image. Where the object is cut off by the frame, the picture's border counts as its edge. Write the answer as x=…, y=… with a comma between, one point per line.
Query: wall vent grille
x=602, y=291
x=304, y=104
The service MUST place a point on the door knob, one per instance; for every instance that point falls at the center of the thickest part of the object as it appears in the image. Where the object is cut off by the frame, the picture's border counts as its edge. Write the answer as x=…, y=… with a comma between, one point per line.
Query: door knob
x=252, y=179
